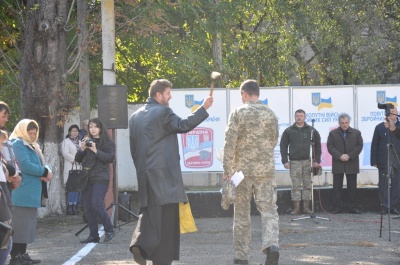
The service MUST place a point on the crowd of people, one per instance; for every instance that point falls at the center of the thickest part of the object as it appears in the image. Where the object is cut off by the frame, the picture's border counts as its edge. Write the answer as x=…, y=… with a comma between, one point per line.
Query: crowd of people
x=251, y=135
x=24, y=178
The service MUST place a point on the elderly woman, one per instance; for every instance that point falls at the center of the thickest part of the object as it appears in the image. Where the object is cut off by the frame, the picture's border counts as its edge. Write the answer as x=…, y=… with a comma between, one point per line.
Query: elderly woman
x=29, y=196
x=69, y=147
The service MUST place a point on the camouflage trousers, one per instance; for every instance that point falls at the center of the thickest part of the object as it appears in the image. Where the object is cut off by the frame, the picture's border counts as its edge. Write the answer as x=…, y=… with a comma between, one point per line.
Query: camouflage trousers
x=264, y=192
x=300, y=173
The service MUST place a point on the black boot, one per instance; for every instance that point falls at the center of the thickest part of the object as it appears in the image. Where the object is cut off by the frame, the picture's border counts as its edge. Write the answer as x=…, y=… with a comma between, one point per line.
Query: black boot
x=19, y=260
x=69, y=210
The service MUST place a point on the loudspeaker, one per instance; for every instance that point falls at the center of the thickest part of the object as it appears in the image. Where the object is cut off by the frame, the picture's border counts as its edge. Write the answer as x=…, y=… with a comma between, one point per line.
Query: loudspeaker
x=112, y=104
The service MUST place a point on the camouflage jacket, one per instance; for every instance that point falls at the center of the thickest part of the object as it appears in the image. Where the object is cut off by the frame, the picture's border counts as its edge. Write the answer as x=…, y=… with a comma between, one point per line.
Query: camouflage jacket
x=250, y=138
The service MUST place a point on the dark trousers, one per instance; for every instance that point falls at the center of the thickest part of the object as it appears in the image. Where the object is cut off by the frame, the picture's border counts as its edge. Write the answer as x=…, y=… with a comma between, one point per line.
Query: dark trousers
x=93, y=201
x=158, y=233
x=394, y=188
x=18, y=248
x=351, y=191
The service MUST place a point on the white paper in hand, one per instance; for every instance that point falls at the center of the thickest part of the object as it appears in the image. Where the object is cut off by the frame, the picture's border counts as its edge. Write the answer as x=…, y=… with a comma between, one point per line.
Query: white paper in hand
x=237, y=178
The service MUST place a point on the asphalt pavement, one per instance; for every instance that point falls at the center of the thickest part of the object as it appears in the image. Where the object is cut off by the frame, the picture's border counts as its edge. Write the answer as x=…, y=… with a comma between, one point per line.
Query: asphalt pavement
x=344, y=239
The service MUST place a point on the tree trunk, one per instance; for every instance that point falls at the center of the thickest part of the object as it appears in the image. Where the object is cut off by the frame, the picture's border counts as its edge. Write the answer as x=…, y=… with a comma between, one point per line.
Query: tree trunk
x=84, y=74
x=42, y=84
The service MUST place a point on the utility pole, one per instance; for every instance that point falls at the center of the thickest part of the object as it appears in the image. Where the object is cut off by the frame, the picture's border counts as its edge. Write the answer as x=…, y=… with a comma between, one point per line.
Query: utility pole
x=108, y=41
x=109, y=78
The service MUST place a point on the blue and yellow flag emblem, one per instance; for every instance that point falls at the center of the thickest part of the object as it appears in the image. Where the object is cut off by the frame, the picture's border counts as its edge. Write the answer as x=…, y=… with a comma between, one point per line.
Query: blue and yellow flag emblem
x=191, y=103
x=381, y=98
x=265, y=102
x=321, y=102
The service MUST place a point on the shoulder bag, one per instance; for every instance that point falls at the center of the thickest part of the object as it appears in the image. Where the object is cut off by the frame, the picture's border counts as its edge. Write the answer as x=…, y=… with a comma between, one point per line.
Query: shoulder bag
x=6, y=232
x=77, y=179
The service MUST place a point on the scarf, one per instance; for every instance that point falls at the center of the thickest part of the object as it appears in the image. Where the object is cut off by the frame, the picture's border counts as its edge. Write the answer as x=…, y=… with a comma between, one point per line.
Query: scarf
x=21, y=131
x=75, y=141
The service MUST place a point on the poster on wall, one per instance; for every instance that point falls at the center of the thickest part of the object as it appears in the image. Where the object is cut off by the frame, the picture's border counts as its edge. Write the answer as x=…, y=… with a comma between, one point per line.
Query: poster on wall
x=369, y=116
x=323, y=105
x=278, y=100
x=199, y=148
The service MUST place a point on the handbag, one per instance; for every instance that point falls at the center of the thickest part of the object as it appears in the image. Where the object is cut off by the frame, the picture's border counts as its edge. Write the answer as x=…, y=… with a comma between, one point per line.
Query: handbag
x=186, y=220
x=77, y=179
x=6, y=232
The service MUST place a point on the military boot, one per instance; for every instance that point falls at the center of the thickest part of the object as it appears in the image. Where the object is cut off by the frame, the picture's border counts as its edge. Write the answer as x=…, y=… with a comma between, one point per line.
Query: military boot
x=296, y=210
x=306, y=207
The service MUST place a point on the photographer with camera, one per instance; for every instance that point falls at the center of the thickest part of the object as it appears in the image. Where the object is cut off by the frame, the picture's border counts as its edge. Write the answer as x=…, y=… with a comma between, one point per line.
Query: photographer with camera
x=379, y=157
x=96, y=153
x=391, y=124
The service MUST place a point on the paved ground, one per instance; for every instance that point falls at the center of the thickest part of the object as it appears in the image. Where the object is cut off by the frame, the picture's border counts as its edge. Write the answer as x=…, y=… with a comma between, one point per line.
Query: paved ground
x=346, y=239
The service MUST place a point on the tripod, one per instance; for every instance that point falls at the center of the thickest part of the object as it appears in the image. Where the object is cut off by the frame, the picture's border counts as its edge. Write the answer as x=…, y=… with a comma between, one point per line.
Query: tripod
x=389, y=175
x=114, y=205
x=312, y=214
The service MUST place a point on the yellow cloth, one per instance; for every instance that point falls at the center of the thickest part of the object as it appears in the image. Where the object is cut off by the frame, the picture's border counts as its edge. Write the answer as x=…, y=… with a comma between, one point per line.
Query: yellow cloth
x=21, y=131
x=187, y=224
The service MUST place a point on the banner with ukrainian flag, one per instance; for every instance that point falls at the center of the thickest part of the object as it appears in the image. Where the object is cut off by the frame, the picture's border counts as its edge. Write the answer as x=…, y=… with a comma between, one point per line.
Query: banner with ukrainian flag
x=322, y=106
x=369, y=116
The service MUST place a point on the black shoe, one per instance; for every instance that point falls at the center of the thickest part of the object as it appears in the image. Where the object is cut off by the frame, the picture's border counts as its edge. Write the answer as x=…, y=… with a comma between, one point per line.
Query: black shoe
x=91, y=239
x=19, y=260
x=336, y=211
x=356, y=211
x=272, y=255
x=28, y=258
x=137, y=256
x=240, y=261
x=108, y=236
x=394, y=211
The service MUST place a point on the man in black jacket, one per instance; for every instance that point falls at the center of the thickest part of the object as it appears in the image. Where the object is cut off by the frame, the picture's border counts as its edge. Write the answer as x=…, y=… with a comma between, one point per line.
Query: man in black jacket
x=298, y=139
x=154, y=147
x=392, y=127
x=379, y=159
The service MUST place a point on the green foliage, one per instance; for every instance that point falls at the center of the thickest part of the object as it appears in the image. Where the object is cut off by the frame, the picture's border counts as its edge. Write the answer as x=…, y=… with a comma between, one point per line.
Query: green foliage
x=307, y=42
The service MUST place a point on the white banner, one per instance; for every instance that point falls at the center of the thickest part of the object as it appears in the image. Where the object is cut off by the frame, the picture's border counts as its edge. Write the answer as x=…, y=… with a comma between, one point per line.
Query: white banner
x=198, y=147
x=324, y=105
x=369, y=115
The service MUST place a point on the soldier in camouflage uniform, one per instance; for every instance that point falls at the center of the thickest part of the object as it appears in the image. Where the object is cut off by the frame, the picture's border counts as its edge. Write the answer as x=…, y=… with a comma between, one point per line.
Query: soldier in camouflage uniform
x=250, y=138
x=297, y=138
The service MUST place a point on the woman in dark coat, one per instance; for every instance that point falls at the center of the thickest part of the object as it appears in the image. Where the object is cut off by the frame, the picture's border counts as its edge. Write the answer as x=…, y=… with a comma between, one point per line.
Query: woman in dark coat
x=96, y=153
x=345, y=145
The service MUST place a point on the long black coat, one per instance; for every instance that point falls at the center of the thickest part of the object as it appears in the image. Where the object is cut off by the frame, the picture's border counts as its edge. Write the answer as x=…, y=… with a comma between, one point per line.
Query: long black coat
x=352, y=146
x=155, y=151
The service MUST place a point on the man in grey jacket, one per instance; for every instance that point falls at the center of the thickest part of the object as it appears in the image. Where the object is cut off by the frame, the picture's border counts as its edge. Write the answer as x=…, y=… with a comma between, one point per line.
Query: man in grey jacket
x=154, y=147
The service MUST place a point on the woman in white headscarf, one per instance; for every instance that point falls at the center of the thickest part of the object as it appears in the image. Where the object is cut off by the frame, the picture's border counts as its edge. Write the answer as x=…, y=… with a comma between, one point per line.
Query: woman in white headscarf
x=33, y=189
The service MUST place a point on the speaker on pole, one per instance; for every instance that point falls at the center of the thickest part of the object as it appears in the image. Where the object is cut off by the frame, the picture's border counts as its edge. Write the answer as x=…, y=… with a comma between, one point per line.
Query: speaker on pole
x=112, y=103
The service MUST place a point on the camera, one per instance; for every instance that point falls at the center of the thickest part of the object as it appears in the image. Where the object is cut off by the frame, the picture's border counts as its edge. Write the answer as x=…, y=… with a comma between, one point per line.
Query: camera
x=387, y=107
x=89, y=142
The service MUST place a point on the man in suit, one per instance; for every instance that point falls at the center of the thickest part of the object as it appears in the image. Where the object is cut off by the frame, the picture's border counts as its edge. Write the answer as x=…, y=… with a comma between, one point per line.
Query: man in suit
x=345, y=145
